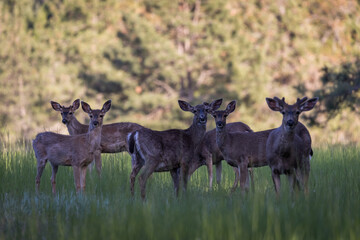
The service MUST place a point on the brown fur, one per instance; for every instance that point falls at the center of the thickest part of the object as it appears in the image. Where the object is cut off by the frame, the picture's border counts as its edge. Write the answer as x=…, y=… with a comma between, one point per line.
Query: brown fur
x=77, y=151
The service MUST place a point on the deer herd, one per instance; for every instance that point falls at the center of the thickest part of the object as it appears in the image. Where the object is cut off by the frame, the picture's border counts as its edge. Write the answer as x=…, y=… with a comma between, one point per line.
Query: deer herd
x=286, y=149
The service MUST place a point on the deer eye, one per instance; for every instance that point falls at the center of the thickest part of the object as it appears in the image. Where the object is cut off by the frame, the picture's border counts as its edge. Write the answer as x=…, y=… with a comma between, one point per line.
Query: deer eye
x=101, y=115
x=91, y=116
x=70, y=113
x=225, y=115
x=297, y=112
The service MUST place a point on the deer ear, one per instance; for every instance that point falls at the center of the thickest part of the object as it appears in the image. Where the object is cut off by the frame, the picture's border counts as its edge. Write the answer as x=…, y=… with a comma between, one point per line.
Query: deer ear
x=185, y=106
x=274, y=104
x=56, y=106
x=86, y=107
x=216, y=104
x=106, y=106
x=309, y=104
x=76, y=104
x=230, y=107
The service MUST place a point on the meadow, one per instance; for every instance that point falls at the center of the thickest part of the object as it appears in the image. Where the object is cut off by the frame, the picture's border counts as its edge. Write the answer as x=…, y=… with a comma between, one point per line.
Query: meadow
x=108, y=211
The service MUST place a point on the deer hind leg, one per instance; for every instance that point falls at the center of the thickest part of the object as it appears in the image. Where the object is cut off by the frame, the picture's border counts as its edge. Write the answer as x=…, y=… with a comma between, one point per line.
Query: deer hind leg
x=175, y=174
x=218, y=167
x=40, y=168
x=149, y=168
x=77, y=178
x=53, y=178
x=134, y=172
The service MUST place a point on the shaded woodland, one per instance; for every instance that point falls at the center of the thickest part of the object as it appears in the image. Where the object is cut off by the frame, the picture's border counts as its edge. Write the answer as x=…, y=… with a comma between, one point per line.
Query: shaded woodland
x=145, y=55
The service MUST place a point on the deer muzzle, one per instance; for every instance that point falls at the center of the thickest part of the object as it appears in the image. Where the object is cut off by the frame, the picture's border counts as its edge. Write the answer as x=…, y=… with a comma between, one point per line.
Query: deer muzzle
x=64, y=121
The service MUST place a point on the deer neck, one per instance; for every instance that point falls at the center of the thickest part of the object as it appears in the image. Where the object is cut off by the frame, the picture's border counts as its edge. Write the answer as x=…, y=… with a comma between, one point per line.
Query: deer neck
x=286, y=137
x=196, y=132
x=221, y=137
x=75, y=127
x=94, y=138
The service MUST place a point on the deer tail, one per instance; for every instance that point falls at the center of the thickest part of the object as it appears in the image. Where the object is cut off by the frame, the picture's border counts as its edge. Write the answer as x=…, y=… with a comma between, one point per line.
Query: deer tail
x=131, y=142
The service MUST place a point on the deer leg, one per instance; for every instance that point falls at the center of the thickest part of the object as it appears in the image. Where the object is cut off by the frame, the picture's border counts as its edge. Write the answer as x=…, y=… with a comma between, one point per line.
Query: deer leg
x=40, y=168
x=244, y=177
x=53, y=177
x=83, y=178
x=218, y=167
x=292, y=181
x=184, y=175
x=136, y=169
x=175, y=177
x=276, y=179
x=251, y=174
x=98, y=163
x=210, y=172
x=77, y=178
x=148, y=170
x=237, y=179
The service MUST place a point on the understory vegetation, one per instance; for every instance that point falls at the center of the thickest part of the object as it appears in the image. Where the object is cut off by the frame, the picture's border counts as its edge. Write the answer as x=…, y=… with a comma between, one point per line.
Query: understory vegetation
x=108, y=211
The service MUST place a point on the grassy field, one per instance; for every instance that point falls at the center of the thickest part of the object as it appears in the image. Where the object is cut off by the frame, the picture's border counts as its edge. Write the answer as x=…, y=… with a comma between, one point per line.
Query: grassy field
x=107, y=210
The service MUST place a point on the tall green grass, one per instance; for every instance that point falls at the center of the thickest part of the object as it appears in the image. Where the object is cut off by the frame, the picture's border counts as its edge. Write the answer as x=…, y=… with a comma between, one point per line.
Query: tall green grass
x=107, y=210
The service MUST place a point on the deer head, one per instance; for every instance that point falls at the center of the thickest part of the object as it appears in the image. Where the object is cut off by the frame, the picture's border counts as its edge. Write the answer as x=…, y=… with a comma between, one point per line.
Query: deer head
x=67, y=113
x=96, y=116
x=200, y=111
x=220, y=116
x=291, y=112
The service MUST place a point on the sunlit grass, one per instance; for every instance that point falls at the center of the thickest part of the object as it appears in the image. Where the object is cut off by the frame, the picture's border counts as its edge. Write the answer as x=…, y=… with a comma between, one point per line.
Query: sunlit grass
x=107, y=210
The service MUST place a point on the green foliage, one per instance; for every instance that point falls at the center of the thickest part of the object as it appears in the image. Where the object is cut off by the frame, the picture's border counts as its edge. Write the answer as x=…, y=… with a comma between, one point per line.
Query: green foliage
x=107, y=210
x=340, y=90
x=144, y=55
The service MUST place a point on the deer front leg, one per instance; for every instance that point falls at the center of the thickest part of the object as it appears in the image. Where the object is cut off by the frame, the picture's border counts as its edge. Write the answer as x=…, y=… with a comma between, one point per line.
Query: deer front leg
x=237, y=179
x=175, y=173
x=53, y=177
x=218, y=167
x=98, y=163
x=83, y=178
x=184, y=175
x=276, y=179
x=251, y=174
x=40, y=168
x=244, y=177
x=77, y=178
x=210, y=171
x=292, y=181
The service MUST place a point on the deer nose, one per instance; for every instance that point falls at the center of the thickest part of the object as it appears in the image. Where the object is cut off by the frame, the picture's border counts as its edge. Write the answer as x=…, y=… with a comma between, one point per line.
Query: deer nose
x=220, y=125
x=64, y=121
x=95, y=123
x=202, y=118
x=290, y=123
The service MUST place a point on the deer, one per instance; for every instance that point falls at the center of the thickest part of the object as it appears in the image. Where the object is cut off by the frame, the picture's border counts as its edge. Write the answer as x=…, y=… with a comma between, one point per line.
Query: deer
x=286, y=152
x=170, y=150
x=243, y=150
x=209, y=154
x=77, y=151
x=113, y=138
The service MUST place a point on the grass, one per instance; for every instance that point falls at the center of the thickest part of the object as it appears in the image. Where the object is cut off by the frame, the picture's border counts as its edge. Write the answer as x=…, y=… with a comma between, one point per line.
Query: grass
x=107, y=210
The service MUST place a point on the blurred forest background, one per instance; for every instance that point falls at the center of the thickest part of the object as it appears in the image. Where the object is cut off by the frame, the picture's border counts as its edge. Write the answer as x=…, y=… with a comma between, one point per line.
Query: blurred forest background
x=145, y=55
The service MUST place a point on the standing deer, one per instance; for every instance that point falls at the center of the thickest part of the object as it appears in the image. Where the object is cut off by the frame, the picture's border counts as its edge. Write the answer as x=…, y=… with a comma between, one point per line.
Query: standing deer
x=170, y=150
x=286, y=152
x=243, y=150
x=209, y=153
x=77, y=151
x=113, y=138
